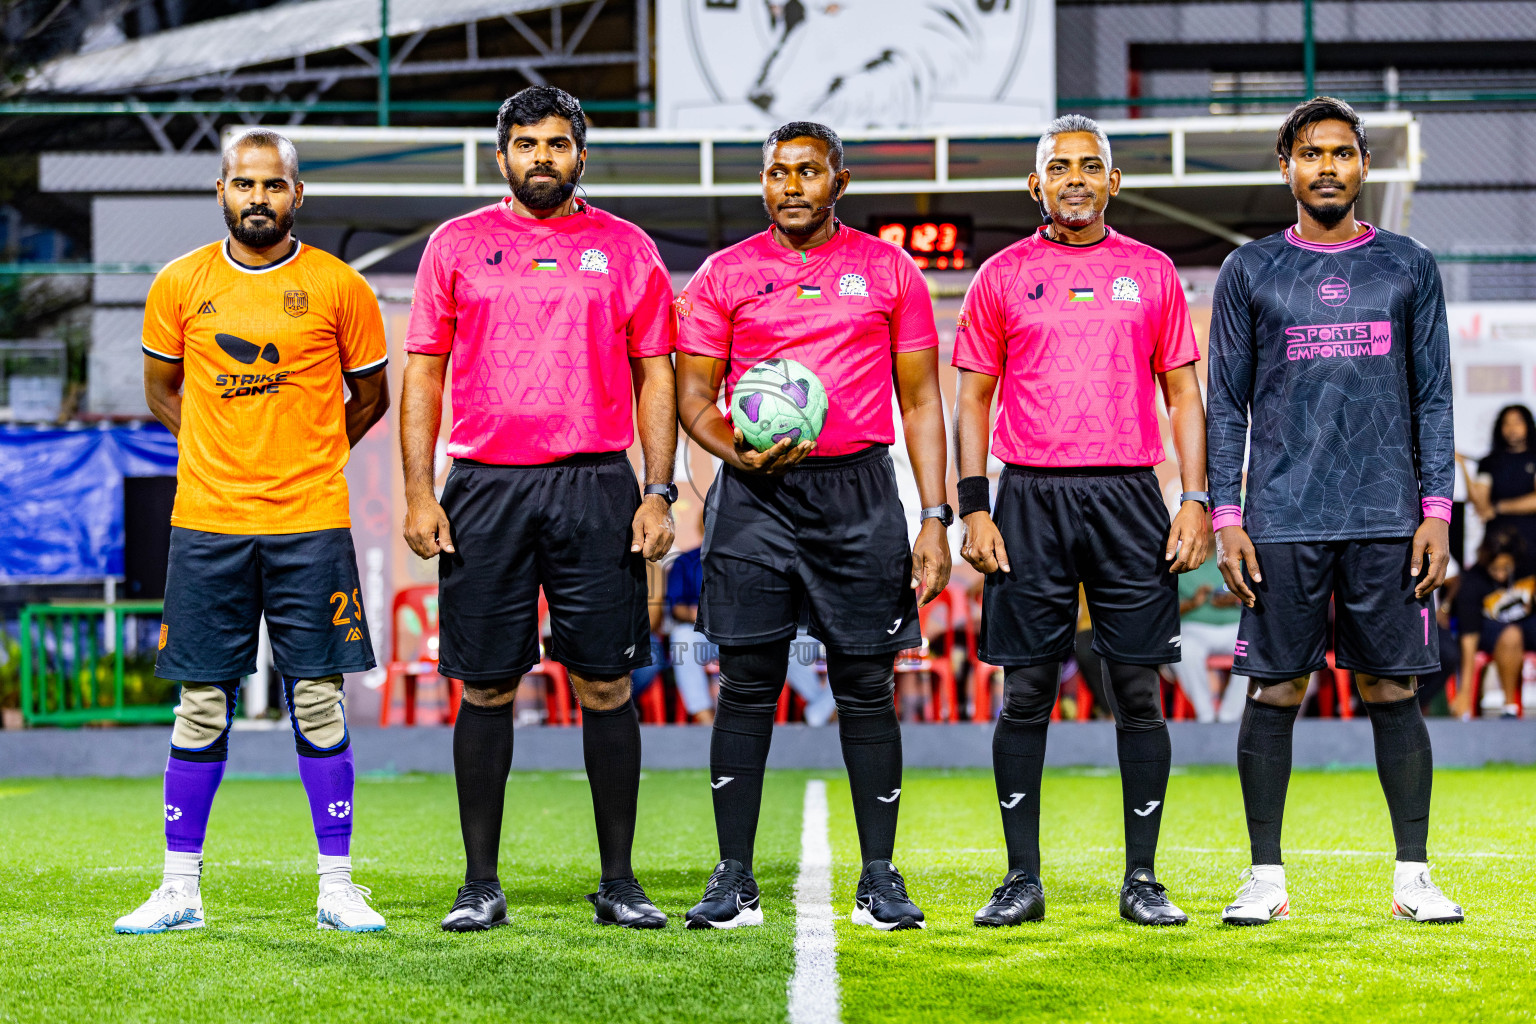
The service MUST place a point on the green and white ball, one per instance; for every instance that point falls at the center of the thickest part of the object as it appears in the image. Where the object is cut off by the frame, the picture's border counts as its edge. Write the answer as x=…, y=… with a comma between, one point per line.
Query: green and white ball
x=778, y=398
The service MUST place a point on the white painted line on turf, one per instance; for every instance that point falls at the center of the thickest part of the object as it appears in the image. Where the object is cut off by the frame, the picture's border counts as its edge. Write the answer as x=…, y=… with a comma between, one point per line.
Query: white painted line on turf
x=814, y=996
x=1326, y=853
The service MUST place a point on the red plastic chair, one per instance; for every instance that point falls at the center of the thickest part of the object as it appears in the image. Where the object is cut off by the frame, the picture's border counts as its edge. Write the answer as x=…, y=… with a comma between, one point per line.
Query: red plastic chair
x=557, y=695
x=405, y=669
x=981, y=672
x=1480, y=664
x=1342, y=692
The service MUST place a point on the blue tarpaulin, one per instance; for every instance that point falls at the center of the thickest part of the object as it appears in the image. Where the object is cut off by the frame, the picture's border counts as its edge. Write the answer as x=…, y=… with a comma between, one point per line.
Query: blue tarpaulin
x=61, y=498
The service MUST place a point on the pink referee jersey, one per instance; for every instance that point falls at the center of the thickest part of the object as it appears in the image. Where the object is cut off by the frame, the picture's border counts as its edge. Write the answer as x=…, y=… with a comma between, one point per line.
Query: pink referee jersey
x=842, y=309
x=542, y=318
x=1076, y=333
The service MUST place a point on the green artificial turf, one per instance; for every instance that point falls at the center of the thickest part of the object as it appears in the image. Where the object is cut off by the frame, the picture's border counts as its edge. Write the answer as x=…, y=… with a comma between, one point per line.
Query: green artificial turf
x=75, y=854
x=1340, y=959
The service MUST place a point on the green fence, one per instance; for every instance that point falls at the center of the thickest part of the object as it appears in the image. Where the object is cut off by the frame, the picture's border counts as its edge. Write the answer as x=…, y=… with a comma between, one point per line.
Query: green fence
x=70, y=675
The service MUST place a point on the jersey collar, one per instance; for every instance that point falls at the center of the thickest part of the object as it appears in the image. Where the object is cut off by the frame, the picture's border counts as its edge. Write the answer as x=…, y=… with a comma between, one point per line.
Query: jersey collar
x=246, y=268
x=1301, y=243
x=571, y=222
x=800, y=258
x=1045, y=239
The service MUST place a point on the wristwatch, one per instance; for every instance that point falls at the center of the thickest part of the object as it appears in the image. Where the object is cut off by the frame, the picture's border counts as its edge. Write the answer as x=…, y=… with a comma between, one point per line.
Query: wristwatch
x=668, y=491
x=1203, y=497
x=943, y=513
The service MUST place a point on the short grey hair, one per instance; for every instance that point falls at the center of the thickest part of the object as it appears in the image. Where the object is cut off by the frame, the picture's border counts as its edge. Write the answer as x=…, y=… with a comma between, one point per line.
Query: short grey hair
x=1069, y=124
x=263, y=138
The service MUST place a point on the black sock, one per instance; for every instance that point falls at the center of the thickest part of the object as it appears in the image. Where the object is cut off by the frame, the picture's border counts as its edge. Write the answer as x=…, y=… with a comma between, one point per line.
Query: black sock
x=738, y=752
x=1144, y=759
x=1018, y=761
x=610, y=746
x=864, y=686
x=751, y=679
x=1406, y=766
x=872, y=753
x=1135, y=693
x=1264, y=769
x=482, y=756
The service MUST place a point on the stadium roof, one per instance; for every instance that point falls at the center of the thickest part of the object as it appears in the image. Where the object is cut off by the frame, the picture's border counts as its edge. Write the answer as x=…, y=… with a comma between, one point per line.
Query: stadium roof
x=283, y=32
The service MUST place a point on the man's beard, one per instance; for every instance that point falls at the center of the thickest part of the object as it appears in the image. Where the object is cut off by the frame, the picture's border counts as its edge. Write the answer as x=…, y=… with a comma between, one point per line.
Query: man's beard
x=1079, y=218
x=251, y=237
x=544, y=195
x=1330, y=213
x=805, y=231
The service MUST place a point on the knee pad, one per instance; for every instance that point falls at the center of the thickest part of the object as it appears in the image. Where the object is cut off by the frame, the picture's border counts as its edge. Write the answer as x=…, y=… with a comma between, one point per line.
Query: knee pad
x=318, y=714
x=862, y=684
x=751, y=677
x=201, y=732
x=1029, y=693
x=1135, y=694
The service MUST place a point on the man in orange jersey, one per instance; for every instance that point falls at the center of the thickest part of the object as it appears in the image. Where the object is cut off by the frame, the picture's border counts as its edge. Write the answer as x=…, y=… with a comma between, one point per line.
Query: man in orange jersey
x=247, y=344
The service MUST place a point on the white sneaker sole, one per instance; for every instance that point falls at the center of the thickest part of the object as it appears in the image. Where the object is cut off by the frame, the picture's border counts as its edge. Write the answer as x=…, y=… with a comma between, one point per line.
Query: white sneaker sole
x=128, y=929
x=336, y=925
x=861, y=916
x=1280, y=913
x=747, y=918
x=1402, y=913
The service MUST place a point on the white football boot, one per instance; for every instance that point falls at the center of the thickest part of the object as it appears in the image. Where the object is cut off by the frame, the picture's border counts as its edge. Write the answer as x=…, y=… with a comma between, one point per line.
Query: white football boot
x=343, y=907
x=1416, y=898
x=169, y=908
x=1261, y=899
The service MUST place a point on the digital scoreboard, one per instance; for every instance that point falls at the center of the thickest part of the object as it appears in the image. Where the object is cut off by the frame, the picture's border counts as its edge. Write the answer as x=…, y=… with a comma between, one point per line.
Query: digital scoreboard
x=936, y=243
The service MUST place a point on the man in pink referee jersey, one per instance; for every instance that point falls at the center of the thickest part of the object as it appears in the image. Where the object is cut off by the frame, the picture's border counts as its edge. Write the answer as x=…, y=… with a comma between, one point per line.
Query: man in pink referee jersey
x=1080, y=325
x=558, y=319
x=813, y=530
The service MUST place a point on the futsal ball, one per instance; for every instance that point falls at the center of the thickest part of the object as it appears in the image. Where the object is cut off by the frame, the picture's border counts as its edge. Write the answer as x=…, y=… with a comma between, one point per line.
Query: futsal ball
x=778, y=398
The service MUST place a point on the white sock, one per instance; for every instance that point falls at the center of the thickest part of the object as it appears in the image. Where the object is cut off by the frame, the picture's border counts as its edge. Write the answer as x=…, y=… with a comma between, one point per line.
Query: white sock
x=185, y=869
x=1406, y=871
x=1270, y=873
x=334, y=871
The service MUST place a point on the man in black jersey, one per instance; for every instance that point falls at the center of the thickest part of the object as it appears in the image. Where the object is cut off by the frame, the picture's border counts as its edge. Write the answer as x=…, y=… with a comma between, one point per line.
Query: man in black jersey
x=1330, y=356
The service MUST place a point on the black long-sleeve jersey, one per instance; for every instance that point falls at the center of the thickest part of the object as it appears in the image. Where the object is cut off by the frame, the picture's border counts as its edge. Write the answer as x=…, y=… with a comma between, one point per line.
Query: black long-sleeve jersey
x=1338, y=358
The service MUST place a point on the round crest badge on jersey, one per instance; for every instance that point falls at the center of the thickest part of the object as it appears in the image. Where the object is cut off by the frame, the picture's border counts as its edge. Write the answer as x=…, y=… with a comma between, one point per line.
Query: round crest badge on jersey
x=1125, y=289
x=1333, y=291
x=853, y=284
x=594, y=261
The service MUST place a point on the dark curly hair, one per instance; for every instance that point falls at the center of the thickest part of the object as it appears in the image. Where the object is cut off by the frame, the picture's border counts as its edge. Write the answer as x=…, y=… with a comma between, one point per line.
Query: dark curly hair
x=534, y=104
x=1322, y=108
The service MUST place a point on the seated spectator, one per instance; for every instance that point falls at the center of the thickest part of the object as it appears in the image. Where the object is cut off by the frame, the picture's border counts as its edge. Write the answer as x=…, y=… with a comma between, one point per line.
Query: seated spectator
x=1208, y=617
x=691, y=652
x=1493, y=615
x=656, y=584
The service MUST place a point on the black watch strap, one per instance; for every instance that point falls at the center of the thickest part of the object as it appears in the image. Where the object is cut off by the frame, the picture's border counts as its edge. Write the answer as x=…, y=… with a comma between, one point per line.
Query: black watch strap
x=668, y=491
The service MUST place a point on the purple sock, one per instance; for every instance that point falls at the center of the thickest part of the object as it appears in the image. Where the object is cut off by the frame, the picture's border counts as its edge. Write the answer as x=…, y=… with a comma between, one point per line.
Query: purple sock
x=189, y=789
x=328, y=781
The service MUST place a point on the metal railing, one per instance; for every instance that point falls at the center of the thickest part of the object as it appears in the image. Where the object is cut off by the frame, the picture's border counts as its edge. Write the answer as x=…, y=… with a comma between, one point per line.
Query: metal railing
x=647, y=163
x=74, y=666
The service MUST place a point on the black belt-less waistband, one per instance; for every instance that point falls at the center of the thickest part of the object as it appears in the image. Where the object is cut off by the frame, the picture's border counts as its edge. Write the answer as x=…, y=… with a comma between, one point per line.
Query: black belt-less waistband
x=579, y=459
x=1076, y=470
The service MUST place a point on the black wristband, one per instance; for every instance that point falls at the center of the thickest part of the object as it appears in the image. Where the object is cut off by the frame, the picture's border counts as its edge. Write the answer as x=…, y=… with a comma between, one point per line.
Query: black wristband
x=975, y=495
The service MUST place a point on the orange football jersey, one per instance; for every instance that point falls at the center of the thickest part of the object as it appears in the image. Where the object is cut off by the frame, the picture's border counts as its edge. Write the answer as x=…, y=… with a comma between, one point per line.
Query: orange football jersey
x=263, y=432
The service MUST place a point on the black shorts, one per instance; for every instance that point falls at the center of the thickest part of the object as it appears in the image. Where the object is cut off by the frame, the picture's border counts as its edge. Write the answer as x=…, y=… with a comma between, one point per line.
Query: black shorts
x=1105, y=528
x=1380, y=628
x=218, y=585
x=564, y=526
x=825, y=543
x=1489, y=632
